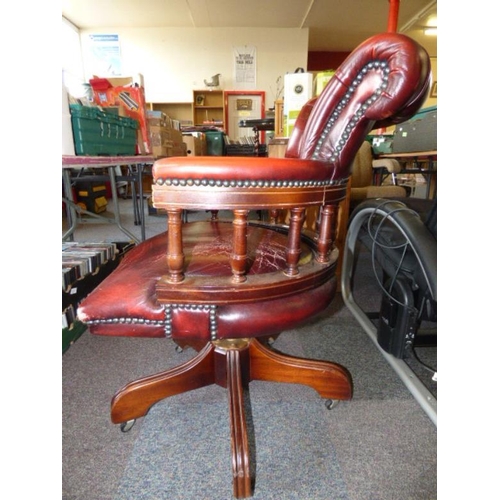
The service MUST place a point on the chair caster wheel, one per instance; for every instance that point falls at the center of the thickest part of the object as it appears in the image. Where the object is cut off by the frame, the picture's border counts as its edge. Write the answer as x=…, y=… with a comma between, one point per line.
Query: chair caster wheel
x=126, y=426
x=331, y=403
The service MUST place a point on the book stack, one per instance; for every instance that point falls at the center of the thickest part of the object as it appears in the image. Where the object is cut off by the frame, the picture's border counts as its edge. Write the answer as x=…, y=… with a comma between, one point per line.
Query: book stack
x=68, y=317
x=84, y=266
x=81, y=259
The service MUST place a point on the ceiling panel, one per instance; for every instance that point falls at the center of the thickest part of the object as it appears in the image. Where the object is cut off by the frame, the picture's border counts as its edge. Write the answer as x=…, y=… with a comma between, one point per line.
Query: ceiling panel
x=255, y=13
x=127, y=13
x=334, y=25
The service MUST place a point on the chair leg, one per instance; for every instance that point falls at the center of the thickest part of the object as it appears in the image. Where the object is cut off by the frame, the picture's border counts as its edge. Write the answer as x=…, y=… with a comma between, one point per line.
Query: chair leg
x=330, y=380
x=232, y=369
x=237, y=362
x=136, y=398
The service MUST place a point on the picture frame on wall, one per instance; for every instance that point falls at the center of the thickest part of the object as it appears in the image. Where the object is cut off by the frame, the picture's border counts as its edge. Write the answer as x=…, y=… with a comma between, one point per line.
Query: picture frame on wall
x=244, y=104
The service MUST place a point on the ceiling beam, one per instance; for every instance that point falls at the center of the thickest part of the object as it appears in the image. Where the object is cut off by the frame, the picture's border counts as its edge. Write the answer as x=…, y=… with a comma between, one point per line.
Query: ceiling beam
x=304, y=19
x=407, y=26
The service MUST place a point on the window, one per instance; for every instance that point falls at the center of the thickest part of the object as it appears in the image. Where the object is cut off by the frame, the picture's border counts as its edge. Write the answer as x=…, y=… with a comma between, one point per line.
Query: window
x=72, y=63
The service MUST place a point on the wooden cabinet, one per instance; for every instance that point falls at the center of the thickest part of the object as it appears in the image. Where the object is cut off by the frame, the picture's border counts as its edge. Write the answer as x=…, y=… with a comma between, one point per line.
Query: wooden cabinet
x=208, y=108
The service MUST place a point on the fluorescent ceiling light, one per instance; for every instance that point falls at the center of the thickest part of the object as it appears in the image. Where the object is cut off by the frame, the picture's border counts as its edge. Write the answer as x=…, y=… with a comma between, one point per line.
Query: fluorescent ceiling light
x=431, y=31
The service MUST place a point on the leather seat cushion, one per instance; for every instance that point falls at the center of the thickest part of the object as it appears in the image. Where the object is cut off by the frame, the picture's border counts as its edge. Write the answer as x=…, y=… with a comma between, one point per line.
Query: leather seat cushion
x=125, y=303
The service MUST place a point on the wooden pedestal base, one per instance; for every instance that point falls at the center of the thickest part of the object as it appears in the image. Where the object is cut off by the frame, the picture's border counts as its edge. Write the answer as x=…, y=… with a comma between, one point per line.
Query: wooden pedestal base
x=232, y=364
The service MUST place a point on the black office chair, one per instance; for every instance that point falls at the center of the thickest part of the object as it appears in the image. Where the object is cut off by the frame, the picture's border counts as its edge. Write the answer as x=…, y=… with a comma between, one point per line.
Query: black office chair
x=399, y=240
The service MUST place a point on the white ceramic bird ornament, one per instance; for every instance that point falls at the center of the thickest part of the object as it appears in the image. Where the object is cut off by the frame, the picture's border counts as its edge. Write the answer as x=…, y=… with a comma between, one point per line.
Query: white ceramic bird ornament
x=214, y=82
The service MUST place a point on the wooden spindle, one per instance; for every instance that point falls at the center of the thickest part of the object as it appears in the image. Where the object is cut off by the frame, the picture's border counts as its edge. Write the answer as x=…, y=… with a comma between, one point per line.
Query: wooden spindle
x=326, y=229
x=175, y=255
x=273, y=215
x=239, y=255
x=293, y=249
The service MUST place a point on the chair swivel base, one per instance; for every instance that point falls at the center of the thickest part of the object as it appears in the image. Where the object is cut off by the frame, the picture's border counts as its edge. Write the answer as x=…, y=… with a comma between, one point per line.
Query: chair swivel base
x=232, y=364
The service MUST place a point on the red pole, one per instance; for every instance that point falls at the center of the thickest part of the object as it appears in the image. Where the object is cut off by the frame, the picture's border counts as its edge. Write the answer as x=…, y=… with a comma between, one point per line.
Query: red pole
x=392, y=24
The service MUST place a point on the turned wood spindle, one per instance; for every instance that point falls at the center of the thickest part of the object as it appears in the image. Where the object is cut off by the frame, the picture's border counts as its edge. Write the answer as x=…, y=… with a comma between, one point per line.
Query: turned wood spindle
x=293, y=249
x=273, y=215
x=326, y=230
x=239, y=255
x=175, y=255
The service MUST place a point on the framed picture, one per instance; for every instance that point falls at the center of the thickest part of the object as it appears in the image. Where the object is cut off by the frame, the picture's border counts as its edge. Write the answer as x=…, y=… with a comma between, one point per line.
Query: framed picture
x=200, y=100
x=244, y=104
x=434, y=89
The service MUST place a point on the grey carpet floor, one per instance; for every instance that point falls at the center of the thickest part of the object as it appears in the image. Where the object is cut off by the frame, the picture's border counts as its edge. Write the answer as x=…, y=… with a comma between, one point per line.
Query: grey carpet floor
x=380, y=445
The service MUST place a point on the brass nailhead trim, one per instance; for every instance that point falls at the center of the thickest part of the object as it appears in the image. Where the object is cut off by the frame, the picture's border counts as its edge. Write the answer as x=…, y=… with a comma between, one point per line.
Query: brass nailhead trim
x=374, y=65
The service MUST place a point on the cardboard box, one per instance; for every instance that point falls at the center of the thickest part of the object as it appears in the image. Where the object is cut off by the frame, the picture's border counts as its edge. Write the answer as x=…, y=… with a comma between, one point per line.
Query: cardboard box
x=158, y=135
x=166, y=141
x=277, y=147
x=193, y=145
x=159, y=151
x=157, y=118
x=179, y=148
x=130, y=97
x=136, y=80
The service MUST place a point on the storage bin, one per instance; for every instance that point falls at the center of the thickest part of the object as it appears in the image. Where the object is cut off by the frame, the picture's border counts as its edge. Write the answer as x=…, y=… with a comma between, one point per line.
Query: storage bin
x=216, y=145
x=93, y=195
x=97, y=132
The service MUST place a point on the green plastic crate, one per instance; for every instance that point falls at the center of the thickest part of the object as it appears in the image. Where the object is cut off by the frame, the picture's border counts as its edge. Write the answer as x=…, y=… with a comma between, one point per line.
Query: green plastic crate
x=98, y=132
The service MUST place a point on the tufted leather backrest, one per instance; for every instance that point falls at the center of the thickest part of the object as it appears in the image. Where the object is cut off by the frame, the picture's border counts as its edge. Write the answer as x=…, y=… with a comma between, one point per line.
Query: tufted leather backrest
x=385, y=80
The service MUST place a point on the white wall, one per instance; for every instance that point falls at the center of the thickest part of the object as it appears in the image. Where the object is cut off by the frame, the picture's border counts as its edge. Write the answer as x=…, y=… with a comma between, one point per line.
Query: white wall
x=175, y=61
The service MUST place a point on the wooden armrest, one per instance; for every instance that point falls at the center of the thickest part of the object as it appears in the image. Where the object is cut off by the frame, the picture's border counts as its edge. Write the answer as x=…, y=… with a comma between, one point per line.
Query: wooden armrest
x=231, y=183
x=241, y=184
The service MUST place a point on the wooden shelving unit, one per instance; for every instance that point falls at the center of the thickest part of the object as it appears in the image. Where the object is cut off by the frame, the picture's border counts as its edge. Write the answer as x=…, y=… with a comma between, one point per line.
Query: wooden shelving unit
x=208, y=108
x=182, y=111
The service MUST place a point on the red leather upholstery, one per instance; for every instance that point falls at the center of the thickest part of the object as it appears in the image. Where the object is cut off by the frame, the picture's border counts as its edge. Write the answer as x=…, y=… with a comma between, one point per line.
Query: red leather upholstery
x=125, y=303
x=385, y=80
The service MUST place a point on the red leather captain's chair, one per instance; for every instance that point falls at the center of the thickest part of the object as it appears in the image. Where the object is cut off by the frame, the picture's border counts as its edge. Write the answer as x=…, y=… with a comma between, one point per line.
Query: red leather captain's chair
x=226, y=287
